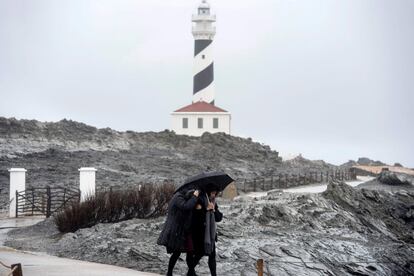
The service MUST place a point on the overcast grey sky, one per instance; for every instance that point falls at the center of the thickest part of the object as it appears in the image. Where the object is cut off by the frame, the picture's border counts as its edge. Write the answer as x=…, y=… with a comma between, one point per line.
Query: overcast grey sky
x=331, y=79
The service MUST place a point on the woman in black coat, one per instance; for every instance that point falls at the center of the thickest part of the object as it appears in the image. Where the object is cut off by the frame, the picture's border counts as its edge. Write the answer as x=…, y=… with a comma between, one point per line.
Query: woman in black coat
x=176, y=234
x=206, y=203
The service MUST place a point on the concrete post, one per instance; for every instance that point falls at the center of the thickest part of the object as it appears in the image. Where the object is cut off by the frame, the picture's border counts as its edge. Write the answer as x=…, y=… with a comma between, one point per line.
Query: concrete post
x=87, y=182
x=17, y=183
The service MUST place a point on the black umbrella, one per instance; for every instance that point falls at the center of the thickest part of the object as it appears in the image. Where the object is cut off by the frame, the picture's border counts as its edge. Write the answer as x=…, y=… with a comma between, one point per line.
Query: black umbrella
x=206, y=181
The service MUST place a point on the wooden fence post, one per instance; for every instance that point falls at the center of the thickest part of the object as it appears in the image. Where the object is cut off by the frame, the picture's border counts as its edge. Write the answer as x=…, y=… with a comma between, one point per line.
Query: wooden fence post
x=259, y=264
x=49, y=202
x=254, y=185
x=17, y=269
x=17, y=204
x=43, y=203
x=263, y=183
x=244, y=185
x=33, y=197
x=286, y=180
x=271, y=183
x=279, y=180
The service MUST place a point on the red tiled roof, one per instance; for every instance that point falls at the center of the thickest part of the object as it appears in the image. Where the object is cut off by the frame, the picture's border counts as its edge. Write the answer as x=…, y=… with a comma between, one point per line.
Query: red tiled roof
x=200, y=107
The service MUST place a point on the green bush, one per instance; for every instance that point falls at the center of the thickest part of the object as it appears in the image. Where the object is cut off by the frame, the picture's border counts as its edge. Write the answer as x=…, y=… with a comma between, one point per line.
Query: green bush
x=148, y=201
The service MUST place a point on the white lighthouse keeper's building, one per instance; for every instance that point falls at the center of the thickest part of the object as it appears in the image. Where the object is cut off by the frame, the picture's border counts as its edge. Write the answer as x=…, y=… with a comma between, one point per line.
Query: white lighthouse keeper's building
x=202, y=115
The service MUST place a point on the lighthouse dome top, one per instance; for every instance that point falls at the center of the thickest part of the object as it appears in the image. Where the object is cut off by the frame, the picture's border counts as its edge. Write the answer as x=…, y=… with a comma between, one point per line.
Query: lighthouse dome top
x=204, y=5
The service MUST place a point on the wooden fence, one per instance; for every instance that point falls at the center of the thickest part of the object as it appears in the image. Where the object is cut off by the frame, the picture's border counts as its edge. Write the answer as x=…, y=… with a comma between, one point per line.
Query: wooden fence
x=283, y=181
x=44, y=201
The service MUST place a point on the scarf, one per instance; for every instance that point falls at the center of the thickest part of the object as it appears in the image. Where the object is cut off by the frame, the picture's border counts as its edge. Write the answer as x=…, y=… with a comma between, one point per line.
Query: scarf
x=210, y=231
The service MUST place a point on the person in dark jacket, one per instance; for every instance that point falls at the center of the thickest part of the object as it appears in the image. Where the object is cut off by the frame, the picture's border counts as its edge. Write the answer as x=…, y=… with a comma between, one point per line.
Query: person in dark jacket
x=176, y=234
x=206, y=206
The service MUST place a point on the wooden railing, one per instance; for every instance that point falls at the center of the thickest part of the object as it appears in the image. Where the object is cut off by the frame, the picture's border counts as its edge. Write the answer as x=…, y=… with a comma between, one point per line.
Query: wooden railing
x=283, y=181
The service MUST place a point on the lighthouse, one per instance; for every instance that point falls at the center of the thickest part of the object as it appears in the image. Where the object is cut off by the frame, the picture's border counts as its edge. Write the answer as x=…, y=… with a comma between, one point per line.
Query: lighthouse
x=203, y=32
x=202, y=115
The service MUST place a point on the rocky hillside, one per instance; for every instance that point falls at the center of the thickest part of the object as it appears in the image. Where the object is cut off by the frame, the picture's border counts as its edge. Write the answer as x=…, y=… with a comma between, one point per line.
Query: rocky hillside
x=53, y=152
x=363, y=161
x=310, y=165
x=343, y=231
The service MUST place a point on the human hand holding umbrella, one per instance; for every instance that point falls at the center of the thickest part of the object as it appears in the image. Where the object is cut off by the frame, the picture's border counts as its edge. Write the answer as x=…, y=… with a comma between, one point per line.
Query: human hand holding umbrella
x=210, y=206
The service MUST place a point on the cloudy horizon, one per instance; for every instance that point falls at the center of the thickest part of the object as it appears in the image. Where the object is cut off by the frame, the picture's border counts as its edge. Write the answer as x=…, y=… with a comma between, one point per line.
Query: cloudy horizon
x=331, y=80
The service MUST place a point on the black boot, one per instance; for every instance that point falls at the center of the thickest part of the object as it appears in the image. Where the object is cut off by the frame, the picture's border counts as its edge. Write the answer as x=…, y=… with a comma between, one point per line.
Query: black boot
x=191, y=272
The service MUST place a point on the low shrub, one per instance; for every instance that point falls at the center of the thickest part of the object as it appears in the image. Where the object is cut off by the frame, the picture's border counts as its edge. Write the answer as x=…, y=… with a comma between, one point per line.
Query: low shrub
x=145, y=201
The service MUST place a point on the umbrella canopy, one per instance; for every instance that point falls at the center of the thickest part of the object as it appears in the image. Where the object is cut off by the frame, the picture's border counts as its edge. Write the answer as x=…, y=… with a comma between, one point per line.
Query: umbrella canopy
x=205, y=181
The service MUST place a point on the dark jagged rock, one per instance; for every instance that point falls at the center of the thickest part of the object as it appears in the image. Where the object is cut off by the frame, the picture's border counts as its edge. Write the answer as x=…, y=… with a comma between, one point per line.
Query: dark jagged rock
x=343, y=231
x=391, y=181
x=395, y=178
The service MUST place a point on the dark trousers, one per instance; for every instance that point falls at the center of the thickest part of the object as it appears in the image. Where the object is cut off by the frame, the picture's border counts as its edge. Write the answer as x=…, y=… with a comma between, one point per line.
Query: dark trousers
x=174, y=258
x=196, y=259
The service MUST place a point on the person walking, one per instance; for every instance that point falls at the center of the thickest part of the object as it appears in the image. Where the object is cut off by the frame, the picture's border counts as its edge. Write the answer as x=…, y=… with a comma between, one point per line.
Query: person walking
x=176, y=233
x=203, y=230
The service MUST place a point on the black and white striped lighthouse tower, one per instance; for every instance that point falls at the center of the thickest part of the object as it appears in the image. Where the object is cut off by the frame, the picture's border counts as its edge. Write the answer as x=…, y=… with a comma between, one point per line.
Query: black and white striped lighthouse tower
x=202, y=115
x=203, y=32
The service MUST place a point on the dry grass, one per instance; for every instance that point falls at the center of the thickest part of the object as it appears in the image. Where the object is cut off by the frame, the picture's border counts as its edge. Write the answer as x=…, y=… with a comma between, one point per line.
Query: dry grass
x=148, y=201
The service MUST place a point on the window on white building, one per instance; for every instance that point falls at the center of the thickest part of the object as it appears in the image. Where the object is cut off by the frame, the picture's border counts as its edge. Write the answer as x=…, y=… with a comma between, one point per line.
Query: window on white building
x=185, y=122
x=215, y=123
x=200, y=122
